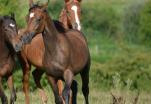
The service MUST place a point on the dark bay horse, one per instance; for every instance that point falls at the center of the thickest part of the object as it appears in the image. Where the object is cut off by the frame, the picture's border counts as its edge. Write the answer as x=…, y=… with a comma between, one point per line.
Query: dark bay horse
x=8, y=32
x=65, y=55
x=70, y=14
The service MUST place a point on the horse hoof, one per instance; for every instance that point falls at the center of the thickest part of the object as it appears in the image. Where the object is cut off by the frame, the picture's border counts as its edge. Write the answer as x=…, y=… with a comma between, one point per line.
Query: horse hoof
x=4, y=100
x=13, y=99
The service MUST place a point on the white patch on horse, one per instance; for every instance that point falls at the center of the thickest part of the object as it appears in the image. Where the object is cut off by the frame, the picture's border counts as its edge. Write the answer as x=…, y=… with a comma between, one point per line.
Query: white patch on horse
x=12, y=25
x=75, y=9
x=31, y=15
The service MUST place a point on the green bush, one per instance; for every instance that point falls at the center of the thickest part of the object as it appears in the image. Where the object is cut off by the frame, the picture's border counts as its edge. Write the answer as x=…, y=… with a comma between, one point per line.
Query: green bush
x=137, y=21
x=145, y=24
x=101, y=19
x=131, y=20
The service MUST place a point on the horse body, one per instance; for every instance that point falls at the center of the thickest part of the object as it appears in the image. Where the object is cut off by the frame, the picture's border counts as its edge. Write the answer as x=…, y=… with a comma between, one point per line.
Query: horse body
x=61, y=53
x=65, y=56
x=7, y=53
x=67, y=52
x=33, y=53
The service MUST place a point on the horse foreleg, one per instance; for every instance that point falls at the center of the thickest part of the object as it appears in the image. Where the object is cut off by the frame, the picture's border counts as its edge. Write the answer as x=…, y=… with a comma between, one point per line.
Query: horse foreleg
x=26, y=74
x=53, y=83
x=12, y=89
x=37, y=74
x=60, y=87
x=68, y=77
x=2, y=94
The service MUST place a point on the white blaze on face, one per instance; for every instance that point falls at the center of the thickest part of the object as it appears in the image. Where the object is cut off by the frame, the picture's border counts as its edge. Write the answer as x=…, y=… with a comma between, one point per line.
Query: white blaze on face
x=12, y=25
x=75, y=9
x=31, y=15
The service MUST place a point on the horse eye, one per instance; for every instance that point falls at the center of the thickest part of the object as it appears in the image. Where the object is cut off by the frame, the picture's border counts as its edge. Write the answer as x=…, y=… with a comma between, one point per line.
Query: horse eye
x=68, y=13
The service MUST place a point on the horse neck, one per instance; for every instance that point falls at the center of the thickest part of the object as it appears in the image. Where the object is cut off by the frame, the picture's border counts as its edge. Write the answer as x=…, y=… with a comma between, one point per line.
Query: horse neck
x=50, y=35
x=64, y=19
x=5, y=48
x=1, y=34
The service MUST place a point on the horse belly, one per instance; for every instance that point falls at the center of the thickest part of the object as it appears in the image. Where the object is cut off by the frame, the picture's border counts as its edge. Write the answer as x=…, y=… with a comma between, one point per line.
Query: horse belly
x=79, y=59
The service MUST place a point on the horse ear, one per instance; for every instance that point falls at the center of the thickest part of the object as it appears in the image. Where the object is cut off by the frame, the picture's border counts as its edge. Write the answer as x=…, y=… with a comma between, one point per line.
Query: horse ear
x=31, y=3
x=66, y=1
x=1, y=19
x=77, y=0
x=13, y=15
x=45, y=6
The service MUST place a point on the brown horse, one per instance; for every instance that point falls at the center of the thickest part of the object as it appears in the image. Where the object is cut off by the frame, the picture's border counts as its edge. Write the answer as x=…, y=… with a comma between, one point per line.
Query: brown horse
x=70, y=14
x=8, y=31
x=33, y=54
x=65, y=55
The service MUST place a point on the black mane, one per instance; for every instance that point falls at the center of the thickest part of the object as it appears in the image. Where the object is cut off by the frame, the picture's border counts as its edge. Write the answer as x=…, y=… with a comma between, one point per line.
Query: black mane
x=59, y=26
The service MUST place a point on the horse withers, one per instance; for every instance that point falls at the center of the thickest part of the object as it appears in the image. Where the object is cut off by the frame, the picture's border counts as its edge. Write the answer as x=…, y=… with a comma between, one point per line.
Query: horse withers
x=66, y=54
x=8, y=32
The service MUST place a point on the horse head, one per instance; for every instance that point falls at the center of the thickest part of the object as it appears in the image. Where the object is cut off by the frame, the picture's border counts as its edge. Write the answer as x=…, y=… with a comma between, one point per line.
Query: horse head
x=35, y=22
x=73, y=12
x=9, y=29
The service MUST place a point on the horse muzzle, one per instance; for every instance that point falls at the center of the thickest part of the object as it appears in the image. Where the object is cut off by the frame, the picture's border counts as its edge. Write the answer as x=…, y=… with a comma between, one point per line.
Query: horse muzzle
x=76, y=26
x=18, y=46
x=27, y=38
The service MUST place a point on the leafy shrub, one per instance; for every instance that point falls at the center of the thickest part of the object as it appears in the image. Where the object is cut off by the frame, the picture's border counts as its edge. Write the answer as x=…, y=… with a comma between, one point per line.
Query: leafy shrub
x=145, y=24
x=131, y=20
x=137, y=21
x=102, y=19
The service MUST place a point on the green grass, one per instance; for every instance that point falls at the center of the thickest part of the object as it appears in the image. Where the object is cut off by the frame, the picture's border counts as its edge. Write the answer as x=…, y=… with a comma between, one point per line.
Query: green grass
x=111, y=54
x=96, y=97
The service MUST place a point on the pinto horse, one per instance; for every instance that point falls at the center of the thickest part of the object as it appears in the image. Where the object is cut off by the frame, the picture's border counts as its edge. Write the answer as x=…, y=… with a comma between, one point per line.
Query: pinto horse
x=65, y=55
x=70, y=14
x=8, y=32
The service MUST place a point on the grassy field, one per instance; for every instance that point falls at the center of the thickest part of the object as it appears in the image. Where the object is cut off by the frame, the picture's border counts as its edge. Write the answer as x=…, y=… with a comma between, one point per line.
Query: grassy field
x=119, y=65
x=96, y=97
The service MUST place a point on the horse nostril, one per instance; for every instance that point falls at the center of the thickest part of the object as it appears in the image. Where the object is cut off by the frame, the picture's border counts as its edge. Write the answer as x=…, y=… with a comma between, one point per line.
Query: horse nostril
x=18, y=47
x=75, y=26
x=27, y=38
x=5, y=29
